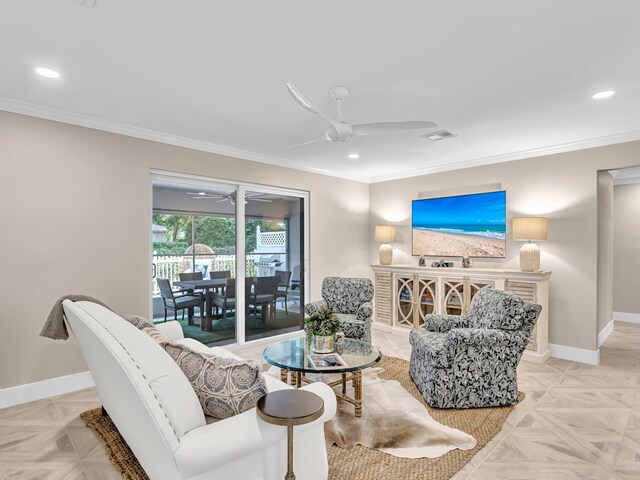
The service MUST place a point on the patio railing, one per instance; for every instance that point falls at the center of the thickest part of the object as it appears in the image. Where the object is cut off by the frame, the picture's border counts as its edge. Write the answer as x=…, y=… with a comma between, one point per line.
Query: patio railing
x=170, y=266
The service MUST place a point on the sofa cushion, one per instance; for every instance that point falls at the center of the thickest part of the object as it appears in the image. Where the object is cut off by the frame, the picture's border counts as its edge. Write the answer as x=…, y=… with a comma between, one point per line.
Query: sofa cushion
x=224, y=386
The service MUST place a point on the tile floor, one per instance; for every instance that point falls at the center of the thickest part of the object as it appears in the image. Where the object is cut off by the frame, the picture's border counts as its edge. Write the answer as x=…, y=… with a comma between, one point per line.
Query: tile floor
x=577, y=421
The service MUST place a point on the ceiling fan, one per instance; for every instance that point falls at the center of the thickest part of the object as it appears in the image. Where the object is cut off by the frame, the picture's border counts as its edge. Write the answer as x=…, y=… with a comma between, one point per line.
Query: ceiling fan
x=341, y=131
x=229, y=197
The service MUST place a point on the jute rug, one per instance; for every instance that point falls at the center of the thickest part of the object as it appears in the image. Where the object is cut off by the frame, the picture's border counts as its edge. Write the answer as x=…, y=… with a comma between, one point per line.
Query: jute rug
x=357, y=462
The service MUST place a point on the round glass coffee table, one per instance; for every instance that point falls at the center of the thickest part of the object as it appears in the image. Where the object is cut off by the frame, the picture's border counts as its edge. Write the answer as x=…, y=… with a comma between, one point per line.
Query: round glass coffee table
x=295, y=358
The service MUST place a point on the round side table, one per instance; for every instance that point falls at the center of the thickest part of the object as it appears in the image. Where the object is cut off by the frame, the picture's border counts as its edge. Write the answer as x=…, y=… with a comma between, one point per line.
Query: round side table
x=290, y=408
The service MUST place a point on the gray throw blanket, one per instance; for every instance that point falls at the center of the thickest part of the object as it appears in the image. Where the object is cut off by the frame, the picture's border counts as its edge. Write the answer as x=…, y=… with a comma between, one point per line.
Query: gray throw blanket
x=55, y=327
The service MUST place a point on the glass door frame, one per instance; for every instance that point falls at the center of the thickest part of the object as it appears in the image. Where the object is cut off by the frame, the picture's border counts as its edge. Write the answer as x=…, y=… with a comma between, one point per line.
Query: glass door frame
x=241, y=188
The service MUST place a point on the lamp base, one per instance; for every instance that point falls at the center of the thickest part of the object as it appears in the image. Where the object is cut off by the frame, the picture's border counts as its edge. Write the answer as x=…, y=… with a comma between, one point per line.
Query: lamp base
x=529, y=257
x=385, y=254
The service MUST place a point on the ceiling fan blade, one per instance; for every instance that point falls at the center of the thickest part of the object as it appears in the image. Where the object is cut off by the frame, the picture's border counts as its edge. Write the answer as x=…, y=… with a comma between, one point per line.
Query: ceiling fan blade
x=304, y=143
x=343, y=130
x=205, y=195
x=259, y=200
x=300, y=99
x=385, y=127
x=223, y=200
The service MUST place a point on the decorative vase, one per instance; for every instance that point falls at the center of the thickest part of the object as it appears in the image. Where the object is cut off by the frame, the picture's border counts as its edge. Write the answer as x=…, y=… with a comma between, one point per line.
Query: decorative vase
x=323, y=343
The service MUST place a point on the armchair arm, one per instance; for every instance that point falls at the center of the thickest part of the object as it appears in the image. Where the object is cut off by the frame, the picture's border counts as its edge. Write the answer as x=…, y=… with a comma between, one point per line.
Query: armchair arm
x=313, y=307
x=364, y=312
x=485, y=337
x=203, y=448
x=171, y=329
x=444, y=323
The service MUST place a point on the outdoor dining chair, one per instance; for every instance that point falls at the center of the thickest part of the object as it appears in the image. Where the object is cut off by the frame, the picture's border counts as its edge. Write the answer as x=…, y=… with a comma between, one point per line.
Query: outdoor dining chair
x=215, y=275
x=264, y=296
x=283, y=287
x=227, y=301
x=188, y=276
x=179, y=302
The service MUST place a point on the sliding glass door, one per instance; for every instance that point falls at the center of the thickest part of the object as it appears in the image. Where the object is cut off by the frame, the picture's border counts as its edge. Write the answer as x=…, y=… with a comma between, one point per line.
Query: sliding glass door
x=239, y=248
x=274, y=253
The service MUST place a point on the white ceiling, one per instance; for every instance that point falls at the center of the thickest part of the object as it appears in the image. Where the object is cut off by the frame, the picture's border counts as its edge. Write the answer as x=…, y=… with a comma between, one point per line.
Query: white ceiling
x=511, y=79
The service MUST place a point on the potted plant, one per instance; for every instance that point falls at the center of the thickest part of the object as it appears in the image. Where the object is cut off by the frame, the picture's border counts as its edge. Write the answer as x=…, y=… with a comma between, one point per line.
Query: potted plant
x=321, y=327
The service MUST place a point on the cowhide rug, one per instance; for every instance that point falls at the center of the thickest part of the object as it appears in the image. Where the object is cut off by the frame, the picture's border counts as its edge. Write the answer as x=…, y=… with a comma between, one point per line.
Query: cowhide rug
x=392, y=421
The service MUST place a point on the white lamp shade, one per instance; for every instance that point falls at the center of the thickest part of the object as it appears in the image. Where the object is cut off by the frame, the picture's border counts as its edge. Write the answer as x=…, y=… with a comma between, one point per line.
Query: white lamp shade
x=385, y=233
x=529, y=228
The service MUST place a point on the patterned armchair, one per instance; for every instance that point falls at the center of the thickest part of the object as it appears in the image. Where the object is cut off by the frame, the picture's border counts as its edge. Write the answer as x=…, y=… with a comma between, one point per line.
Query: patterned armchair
x=350, y=299
x=470, y=361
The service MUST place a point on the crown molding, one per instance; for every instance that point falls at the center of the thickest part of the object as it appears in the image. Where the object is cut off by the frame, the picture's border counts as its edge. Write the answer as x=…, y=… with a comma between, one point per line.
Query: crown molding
x=33, y=110
x=626, y=181
x=519, y=155
x=62, y=116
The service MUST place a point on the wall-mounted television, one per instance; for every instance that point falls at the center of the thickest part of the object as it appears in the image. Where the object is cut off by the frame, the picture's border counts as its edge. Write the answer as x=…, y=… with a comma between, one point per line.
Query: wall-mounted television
x=472, y=225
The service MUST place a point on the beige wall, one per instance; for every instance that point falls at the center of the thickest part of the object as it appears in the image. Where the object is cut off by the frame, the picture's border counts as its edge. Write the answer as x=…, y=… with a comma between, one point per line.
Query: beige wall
x=75, y=206
x=562, y=187
x=626, y=248
x=604, y=282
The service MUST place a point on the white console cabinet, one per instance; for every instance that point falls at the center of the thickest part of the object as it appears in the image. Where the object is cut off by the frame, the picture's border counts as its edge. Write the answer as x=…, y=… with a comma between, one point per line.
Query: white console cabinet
x=404, y=294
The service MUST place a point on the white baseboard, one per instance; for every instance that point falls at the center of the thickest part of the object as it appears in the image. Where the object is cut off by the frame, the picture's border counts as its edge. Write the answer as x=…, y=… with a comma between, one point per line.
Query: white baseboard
x=559, y=351
x=582, y=355
x=534, y=357
x=604, y=333
x=626, y=317
x=44, y=389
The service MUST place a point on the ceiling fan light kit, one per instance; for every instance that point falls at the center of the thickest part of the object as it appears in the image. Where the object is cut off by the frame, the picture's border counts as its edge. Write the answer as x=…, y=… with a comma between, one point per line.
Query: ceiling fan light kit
x=341, y=131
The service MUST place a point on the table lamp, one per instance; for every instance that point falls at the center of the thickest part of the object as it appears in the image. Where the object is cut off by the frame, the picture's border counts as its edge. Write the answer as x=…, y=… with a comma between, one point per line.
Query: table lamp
x=385, y=234
x=526, y=229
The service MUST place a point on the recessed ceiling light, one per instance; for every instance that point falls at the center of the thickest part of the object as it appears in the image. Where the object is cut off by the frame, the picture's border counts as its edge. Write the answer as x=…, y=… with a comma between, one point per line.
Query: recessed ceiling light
x=47, y=72
x=605, y=94
x=353, y=156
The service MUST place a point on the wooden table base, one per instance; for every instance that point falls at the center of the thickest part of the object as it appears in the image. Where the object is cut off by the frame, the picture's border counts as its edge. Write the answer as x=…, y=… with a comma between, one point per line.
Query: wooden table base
x=296, y=379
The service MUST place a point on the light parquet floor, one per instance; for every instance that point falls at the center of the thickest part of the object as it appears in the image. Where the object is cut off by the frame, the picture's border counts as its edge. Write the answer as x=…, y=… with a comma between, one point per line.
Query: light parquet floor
x=577, y=421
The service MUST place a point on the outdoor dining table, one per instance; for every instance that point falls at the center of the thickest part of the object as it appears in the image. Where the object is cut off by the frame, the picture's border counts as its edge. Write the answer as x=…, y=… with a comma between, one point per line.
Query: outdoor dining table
x=206, y=285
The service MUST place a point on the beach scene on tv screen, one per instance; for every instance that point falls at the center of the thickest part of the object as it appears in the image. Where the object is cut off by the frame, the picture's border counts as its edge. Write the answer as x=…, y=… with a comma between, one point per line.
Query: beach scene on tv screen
x=472, y=225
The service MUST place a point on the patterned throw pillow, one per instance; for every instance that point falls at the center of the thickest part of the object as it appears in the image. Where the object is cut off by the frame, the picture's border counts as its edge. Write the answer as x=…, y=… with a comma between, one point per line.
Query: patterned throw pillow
x=224, y=386
x=149, y=328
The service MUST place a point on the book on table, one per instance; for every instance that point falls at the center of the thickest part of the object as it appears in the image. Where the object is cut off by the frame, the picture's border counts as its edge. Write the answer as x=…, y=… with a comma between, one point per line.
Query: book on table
x=326, y=360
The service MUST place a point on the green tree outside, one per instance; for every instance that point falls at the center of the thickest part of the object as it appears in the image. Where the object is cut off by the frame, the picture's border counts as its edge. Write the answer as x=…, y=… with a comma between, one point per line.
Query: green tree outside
x=219, y=233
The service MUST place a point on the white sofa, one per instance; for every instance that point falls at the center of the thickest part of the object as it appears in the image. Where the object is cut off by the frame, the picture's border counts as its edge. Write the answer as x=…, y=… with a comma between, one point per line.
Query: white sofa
x=155, y=409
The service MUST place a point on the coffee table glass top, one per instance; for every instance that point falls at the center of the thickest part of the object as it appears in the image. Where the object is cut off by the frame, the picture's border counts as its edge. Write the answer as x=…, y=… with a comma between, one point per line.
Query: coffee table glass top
x=291, y=354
